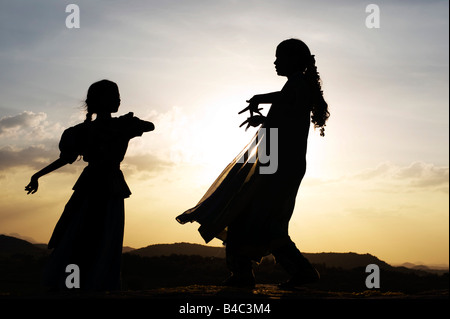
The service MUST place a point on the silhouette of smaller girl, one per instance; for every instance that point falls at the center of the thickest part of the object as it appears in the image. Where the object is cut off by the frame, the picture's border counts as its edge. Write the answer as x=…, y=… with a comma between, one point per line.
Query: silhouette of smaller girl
x=89, y=232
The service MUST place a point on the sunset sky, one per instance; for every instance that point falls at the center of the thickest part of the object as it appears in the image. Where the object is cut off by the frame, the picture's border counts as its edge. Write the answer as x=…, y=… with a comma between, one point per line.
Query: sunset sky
x=377, y=183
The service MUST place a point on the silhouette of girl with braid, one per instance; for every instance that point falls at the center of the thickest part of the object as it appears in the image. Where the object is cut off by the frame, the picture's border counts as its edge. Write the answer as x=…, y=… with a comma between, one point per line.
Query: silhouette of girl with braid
x=89, y=232
x=250, y=210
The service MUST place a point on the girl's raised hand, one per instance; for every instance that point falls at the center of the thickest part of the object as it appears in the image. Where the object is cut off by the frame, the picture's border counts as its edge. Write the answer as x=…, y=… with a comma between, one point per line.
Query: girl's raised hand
x=253, y=120
x=32, y=187
x=252, y=107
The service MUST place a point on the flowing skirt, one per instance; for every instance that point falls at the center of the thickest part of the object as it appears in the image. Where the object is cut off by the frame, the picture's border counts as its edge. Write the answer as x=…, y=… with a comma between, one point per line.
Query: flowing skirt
x=88, y=234
x=259, y=206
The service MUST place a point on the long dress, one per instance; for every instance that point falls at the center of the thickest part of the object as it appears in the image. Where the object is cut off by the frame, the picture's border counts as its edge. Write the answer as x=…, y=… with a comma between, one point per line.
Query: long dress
x=259, y=206
x=90, y=230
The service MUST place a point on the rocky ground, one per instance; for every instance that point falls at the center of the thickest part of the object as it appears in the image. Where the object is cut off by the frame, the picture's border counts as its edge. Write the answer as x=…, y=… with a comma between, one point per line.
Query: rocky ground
x=210, y=301
x=267, y=291
x=260, y=292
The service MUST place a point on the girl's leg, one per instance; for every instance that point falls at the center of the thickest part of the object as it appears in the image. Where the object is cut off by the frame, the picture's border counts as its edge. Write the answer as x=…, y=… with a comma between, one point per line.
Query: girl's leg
x=297, y=265
x=239, y=264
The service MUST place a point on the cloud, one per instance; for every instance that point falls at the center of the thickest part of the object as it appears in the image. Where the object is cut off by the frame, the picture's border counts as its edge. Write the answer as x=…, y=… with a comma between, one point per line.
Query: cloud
x=148, y=163
x=381, y=170
x=29, y=128
x=420, y=174
x=32, y=156
x=10, y=125
x=417, y=175
x=28, y=140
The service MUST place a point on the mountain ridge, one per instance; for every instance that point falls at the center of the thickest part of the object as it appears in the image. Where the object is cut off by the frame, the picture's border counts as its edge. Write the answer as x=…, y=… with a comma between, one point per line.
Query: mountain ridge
x=10, y=246
x=15, y=246
x=347, y=260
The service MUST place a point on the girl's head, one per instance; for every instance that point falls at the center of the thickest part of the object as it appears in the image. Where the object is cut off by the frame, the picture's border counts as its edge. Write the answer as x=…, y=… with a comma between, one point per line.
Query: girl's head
x=102, y=97
x=293, y=56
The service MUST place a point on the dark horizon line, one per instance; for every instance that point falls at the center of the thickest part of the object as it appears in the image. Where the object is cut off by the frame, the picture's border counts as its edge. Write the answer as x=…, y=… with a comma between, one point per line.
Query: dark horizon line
x=439, y=266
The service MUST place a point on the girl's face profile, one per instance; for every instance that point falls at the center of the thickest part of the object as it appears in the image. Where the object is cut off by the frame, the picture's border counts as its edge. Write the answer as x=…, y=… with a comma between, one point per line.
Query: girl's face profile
x=286, y=63
x=283, y=63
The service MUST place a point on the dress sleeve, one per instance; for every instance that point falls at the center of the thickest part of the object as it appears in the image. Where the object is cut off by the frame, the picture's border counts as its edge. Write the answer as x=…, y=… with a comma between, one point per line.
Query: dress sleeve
x=68, y=146
x=133, y=125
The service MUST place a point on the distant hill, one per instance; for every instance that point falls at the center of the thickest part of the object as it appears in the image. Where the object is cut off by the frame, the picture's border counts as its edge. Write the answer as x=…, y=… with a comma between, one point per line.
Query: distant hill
x=41, y=246
x=180, y=249
x=185, y=264
x=126, y=249
x=341, y=260
x=10, y=246
x=348, y=260
x=14, y=246
x=437, y=269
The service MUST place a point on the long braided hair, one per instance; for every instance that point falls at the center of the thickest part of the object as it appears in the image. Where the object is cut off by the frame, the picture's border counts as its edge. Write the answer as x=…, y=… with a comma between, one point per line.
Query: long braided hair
x=307, y=64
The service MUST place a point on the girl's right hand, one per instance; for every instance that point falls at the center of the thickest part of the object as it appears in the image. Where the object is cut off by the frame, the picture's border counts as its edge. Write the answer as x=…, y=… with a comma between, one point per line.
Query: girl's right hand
x=253, y=106
x=33, y=186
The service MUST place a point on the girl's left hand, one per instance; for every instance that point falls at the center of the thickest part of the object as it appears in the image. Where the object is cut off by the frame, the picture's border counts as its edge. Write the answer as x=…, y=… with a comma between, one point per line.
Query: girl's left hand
x=253, y=120
x=33, y=186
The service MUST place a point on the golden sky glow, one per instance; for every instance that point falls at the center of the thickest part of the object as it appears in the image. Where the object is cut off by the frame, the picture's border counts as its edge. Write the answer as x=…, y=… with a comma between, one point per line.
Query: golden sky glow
x=377, y=183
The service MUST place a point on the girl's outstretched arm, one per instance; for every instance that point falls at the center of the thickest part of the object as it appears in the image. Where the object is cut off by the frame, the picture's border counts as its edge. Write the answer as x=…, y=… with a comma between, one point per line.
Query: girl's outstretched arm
x=33, y=186
x=267, y=98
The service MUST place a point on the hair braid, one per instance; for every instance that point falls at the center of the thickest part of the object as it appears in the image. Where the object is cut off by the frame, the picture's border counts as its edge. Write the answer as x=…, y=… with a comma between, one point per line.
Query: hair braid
x=320, y=113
